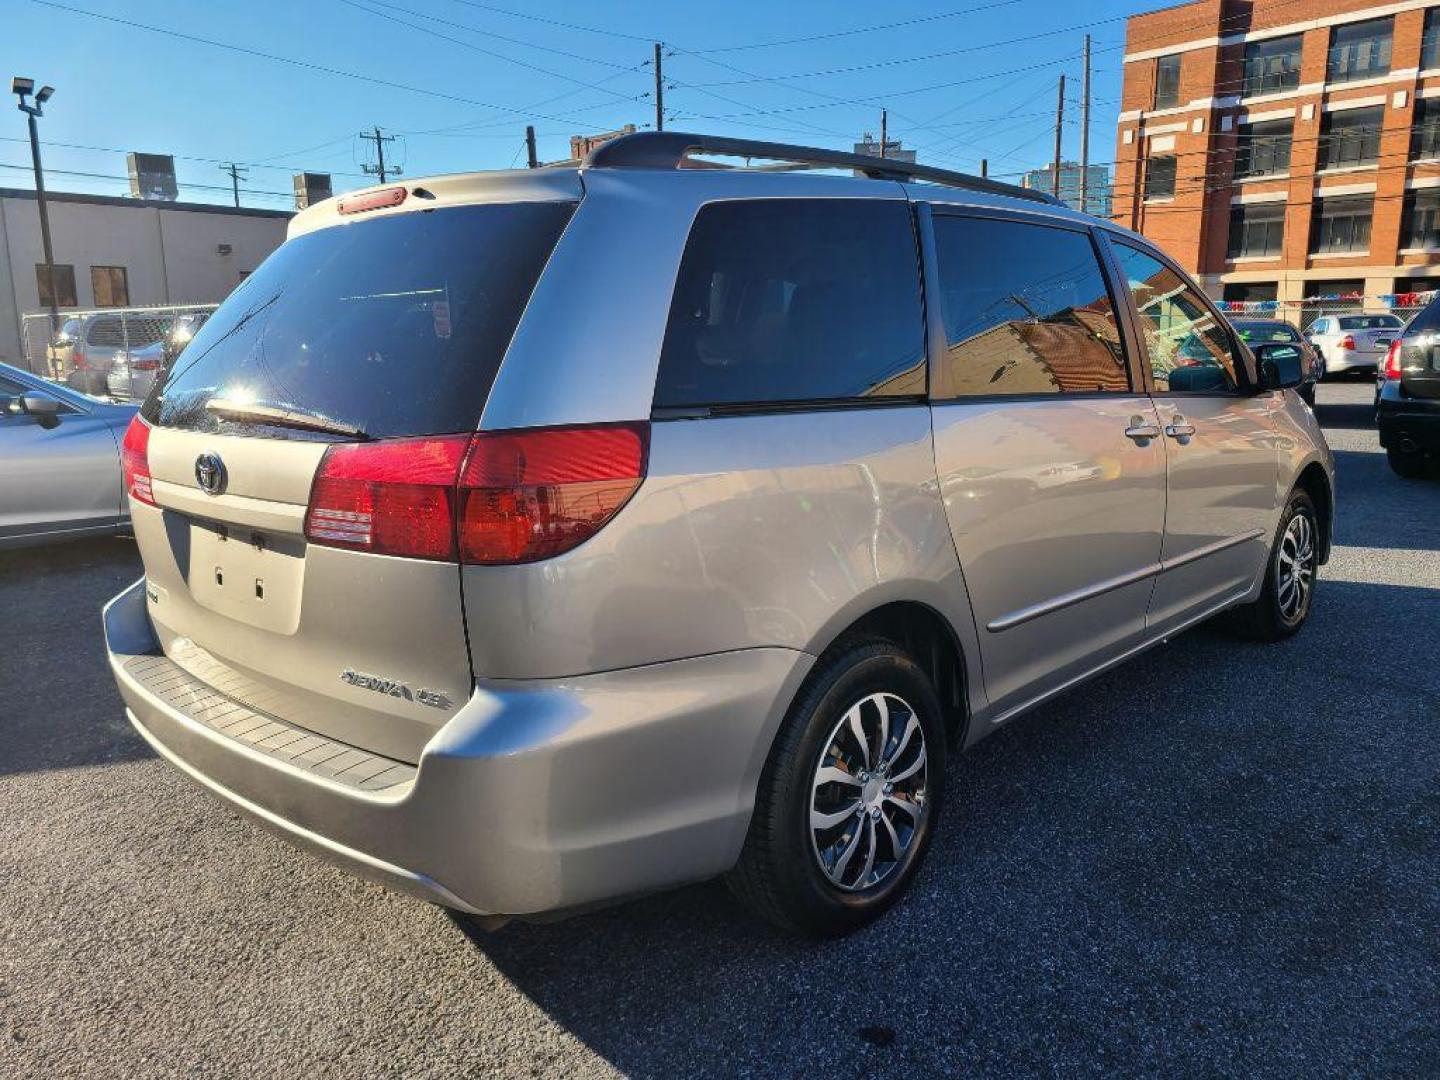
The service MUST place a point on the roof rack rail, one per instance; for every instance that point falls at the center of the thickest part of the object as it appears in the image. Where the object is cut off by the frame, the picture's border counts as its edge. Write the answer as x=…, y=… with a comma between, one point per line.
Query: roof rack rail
x=668, y=150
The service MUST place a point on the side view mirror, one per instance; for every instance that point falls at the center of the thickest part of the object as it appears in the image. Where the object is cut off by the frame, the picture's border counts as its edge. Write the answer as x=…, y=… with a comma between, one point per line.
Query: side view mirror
x=1281, y=365
x=44, y=407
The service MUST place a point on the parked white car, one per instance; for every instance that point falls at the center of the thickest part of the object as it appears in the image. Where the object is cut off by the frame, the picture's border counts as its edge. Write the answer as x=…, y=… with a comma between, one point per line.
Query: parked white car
x=1353, y=342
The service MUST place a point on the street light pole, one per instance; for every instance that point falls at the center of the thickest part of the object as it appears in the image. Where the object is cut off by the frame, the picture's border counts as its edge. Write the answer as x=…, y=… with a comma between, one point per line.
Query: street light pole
x=22, y=88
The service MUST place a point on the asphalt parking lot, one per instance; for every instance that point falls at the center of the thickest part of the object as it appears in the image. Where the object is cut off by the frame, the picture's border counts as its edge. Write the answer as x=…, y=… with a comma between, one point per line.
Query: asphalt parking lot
x=1220, y=859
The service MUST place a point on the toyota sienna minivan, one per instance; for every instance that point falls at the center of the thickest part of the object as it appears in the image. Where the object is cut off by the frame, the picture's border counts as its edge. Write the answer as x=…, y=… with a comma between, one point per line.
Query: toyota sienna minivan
x=530, y=540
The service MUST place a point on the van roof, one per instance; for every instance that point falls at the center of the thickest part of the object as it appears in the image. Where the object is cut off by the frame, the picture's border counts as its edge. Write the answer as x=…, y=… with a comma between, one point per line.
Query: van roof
x=681, y=153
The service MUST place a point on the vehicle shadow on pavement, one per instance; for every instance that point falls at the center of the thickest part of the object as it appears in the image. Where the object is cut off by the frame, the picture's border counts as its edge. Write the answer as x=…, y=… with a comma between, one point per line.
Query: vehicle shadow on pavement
x=1220, y=850
x=1410, y=509
x=61, y=708
x=1356, y=416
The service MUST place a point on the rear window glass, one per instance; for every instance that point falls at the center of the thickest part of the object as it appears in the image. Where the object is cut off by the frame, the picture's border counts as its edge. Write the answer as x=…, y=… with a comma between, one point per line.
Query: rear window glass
x=795, y=300
x=132, y=332
x=1369, y=322
x=388, y=326
x=1037, y=321
x=1256, y=333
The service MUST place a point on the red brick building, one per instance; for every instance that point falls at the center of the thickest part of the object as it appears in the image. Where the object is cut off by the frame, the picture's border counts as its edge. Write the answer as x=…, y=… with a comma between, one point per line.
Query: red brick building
x=1282, y=149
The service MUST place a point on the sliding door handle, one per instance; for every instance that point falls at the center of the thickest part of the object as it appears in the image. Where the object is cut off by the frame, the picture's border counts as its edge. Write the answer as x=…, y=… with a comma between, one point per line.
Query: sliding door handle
x=1179, y=428
x=1141, y=430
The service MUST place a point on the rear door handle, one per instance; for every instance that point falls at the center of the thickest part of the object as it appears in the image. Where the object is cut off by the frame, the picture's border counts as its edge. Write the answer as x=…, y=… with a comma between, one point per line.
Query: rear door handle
x=1141, y=429
x=1179, y=427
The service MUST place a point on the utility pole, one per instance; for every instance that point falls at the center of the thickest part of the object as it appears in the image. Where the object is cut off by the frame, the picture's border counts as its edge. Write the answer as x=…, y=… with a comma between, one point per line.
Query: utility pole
x=659, y=92
x=1059, y=131
x=884, y=130
x=236, y=172
x=379, y=168
x=984, y=167
x=22, y=88
x=531, y=160
x=1084, y=207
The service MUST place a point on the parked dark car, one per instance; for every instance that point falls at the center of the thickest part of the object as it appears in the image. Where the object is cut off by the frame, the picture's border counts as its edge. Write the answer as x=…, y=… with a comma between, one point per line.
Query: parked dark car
x=1407, y=396
x=1260, y=331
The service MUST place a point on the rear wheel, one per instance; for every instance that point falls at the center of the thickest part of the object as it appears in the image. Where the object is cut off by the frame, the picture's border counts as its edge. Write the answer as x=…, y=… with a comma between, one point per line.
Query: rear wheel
x=1411, y=465
x=1284, y=601
x=849, y=797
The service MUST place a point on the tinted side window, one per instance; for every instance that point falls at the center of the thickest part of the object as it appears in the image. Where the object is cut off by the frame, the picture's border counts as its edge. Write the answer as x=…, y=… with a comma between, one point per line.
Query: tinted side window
x=1188, y=348
x=795, y=300
x=1026, y=311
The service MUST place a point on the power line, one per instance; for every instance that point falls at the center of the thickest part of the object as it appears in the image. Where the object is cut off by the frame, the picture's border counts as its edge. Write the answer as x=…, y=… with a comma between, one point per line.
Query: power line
x=292, y=61
x=125, y=180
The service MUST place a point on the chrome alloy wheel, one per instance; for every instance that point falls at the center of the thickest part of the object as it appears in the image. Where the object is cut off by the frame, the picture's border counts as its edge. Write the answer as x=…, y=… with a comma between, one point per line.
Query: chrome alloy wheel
x=867, y=800
x=1295, y=568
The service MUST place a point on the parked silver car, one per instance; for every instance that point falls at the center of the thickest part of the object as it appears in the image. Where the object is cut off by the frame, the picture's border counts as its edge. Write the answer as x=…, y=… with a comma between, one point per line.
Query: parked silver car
x=59, y=461
x=1353, y=342
x=84, y=350
x=692, y=528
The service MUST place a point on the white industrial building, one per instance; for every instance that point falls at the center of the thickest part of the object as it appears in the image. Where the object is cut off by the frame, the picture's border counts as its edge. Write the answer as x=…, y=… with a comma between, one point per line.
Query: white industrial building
x=116, y=252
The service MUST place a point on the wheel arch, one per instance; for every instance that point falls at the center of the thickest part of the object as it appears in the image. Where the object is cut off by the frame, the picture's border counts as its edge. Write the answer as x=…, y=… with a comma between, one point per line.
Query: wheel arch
x=928, y=636
x=1315, y=482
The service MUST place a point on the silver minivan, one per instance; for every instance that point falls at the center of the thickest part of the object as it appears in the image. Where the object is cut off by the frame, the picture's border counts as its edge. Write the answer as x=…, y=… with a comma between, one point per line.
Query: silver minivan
x=529, y=540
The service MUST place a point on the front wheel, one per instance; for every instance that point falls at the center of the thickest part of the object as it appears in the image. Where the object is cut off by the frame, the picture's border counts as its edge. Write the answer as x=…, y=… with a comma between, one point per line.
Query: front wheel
x=1285, y=599
x=848, y=799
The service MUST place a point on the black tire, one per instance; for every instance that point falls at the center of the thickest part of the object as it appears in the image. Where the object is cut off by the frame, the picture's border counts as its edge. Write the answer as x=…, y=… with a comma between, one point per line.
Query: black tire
x=1411, y=466
x=780, y=876
x=1267, y=618
x=1307, y=394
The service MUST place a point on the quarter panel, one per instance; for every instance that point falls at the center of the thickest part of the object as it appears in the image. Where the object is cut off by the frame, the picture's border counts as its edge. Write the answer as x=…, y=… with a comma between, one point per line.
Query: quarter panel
x=748, y=531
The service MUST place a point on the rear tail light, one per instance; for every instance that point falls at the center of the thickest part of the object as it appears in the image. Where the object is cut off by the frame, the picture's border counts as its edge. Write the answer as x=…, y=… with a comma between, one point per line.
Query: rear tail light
x=395, y=497
x=77, y=356
x=491, y=498
x=135, y=460
x=144, y=365
x=1348, y=342
x=1392, y=361
x=531, y=495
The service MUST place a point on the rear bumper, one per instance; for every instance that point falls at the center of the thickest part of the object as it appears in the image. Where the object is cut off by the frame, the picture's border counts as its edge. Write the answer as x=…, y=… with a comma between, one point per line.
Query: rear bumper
x=535, y=796
x=1406, y=423
x=1345, y=360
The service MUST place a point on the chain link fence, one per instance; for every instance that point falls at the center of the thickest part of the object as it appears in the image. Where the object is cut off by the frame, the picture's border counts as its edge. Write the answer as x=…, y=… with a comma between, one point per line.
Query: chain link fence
x=111, y=352
x=1301, y=313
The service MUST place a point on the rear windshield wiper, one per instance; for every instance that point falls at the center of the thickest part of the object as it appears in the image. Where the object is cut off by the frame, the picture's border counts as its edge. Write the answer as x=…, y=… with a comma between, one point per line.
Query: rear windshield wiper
x=281, y=417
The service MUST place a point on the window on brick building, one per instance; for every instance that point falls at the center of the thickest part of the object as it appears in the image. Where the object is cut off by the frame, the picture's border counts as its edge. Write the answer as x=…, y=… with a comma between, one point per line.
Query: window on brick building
x=1167, y=82
x=1430, y=42
x=1263, y=149
x=1250, y=292
x=1425, y=129
x=1342, y=224
x=1256, y=230
x=1421, y=227
x=1160, y=177
x=1351, y=137
x=1272, y=66
x=1360, y=50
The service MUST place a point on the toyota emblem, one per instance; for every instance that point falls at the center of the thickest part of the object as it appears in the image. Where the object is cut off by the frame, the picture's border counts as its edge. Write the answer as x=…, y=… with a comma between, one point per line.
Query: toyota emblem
x=210, y=472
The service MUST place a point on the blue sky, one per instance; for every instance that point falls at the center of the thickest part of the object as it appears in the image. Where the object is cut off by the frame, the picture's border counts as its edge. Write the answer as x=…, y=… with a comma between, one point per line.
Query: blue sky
x=459, y=79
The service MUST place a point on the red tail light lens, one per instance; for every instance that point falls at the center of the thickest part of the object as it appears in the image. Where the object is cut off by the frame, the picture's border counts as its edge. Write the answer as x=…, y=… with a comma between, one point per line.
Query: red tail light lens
x=531, y=495
x=77, y=357
x=1348, y=342
x=135, y=460
x=395, y=497
x=144, y=365
x=491, y=498
x=1392, y=361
